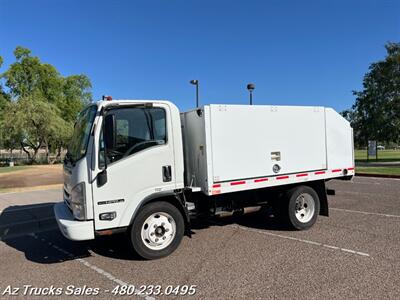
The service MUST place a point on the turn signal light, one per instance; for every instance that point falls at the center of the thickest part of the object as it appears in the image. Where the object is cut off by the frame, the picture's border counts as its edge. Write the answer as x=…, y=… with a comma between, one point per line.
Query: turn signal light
x=108, y=216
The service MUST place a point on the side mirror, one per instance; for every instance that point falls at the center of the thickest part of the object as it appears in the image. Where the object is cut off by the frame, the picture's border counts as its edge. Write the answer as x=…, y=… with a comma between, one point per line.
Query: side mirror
x=109, y=131
x=102, y=178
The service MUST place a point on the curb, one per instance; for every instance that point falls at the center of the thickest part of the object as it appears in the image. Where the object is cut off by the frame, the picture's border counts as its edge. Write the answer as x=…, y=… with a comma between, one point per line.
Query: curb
x=377, y=175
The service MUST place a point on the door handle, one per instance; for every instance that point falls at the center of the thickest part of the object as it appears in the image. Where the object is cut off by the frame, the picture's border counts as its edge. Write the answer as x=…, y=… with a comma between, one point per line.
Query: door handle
x=166, y=173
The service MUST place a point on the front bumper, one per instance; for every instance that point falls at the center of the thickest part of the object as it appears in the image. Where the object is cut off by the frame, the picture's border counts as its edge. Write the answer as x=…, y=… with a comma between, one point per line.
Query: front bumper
x=71, y=228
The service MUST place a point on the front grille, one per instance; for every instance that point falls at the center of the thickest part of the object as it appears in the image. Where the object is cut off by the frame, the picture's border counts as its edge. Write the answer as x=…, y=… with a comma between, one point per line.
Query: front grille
x=67, y=199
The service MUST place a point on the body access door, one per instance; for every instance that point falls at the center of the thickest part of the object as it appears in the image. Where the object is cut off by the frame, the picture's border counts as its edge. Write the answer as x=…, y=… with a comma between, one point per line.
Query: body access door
x=135, y=159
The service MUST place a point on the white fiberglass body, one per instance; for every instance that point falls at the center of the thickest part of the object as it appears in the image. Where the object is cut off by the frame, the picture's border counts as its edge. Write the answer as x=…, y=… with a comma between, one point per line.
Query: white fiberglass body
x=235, y=147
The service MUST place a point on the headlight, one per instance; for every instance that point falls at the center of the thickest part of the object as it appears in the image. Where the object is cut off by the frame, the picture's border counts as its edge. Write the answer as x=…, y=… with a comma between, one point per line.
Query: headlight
x=78, y=201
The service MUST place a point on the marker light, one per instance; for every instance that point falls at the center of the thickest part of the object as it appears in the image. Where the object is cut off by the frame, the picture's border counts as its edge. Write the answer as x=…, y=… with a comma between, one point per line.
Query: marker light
x=108, y=216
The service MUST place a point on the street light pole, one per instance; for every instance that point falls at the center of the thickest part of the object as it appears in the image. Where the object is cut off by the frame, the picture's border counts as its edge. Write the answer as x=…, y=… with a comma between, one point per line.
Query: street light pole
x=251, y=88
x=196, y=83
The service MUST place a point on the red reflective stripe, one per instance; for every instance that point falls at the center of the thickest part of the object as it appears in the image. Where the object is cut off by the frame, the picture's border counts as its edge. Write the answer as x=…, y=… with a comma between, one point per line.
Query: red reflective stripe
x=260, y=179
x=282, y=177
x=350, y=169
x=216, y=185
x=301, y=175
x=238, y=182
x=319, y=172
x=336, y=170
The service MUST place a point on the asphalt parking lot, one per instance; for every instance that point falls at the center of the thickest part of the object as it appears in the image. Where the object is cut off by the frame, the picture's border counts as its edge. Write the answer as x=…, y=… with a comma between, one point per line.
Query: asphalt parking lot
x=355, y=253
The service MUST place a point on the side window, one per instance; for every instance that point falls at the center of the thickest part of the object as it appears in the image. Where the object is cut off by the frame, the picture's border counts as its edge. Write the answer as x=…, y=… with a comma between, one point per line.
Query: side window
x=136, y=129
x=158, y=116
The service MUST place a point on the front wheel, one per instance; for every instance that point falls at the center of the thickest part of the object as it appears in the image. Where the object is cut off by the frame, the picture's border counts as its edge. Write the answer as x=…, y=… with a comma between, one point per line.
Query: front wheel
x=157, y=230
x=301, y=207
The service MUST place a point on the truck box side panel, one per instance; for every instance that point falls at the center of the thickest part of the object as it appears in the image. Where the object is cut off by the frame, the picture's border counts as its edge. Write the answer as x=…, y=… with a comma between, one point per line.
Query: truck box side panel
x=339, y=141
x=246, y=138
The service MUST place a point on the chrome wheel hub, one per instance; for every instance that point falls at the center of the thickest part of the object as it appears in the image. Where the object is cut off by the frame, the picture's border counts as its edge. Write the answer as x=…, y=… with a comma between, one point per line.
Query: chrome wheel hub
x=158, y=231
x=305, y=207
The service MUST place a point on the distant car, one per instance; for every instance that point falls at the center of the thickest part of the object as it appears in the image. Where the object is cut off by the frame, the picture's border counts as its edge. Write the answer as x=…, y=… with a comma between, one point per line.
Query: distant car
x=380, y=147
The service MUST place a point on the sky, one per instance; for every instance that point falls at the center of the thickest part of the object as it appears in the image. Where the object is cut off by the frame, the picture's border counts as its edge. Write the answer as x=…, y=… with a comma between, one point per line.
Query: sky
x=295, y=52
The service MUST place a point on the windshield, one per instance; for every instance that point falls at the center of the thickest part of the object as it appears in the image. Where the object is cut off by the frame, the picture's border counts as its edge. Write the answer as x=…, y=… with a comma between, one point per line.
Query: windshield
x=80, y=138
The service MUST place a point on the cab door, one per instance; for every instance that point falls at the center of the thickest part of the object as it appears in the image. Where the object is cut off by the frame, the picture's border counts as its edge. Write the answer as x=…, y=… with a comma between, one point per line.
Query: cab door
x=135, y=159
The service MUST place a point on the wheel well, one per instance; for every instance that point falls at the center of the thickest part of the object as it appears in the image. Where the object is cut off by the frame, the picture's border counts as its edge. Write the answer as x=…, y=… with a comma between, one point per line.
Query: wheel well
x=318, y=186
x=320, y=189
x=173, y=199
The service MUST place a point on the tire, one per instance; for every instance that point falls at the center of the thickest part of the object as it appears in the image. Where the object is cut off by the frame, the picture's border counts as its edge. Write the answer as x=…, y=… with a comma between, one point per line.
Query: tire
x=301, y=207
x=157, y=230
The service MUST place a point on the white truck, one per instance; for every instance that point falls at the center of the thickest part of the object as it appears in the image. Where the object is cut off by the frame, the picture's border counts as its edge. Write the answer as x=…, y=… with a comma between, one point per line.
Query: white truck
x=144, y=168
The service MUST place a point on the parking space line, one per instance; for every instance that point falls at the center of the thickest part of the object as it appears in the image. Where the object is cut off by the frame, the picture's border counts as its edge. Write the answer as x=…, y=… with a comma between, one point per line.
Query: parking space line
x=93, y=267
x=365, y=212
x=299, y=240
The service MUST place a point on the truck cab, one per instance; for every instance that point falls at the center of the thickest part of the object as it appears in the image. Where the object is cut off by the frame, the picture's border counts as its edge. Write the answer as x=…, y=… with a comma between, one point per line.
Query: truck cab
x=123, y=154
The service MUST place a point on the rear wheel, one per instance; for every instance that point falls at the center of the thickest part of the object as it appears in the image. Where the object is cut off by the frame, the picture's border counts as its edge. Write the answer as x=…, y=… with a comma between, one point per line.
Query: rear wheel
x=301, y=207
x=157, y=230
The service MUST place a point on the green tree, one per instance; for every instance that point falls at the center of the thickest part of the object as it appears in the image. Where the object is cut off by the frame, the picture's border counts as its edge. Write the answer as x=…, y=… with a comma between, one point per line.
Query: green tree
x=29, y=75
x=4, y=97
x=39, y=106
x=60, y=137
x=376, y=112
x=4, y=101
x=76, y=94
x=11, y=133
x=35, y=122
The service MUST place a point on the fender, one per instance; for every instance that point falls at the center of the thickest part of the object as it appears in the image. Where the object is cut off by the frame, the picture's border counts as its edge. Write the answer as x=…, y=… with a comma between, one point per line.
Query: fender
x=175, y=197
x=320, y=189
